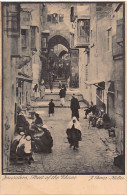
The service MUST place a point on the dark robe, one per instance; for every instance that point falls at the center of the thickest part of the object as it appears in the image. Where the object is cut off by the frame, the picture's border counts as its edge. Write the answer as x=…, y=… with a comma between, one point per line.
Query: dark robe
x=43, y=141
x=38, y=120
x=74, y=107
x=22, y=124
x=51, y=107
x=74, y=136
x=62, y=93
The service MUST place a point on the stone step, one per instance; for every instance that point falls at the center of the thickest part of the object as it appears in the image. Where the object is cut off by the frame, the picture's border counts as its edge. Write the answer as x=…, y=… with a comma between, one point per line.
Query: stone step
x=55, y=96
x=39, y=104
x=56, y=82
x=55, y=85
x=60, y=80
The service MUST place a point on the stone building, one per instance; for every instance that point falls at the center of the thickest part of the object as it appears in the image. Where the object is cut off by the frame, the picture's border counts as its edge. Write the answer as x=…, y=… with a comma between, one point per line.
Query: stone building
x=30, y=45
x=118, y=54
x=10, y=63
x=21, y=59
x=101, y=59
x=92, y=39
x=55, y=31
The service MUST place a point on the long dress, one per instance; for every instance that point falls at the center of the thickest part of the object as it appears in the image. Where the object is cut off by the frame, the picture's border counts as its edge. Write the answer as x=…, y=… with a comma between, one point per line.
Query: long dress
x=22, y=124
x=42, y=90
x=42, y=141
x=51, y=107
x=62, y=95
x=74, y=133
x=74, y=107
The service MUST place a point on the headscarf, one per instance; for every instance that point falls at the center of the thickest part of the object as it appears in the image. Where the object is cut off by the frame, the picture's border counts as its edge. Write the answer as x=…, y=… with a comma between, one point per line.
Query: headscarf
x=76, y=124
x=19, y=109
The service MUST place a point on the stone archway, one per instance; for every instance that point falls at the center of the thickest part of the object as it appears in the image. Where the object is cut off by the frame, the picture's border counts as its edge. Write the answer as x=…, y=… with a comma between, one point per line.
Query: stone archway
x=58, y=39
x=58, y=67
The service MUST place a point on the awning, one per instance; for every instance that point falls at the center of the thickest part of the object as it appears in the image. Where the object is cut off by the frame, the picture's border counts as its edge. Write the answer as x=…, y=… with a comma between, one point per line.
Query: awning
x=24, y=78
x=95, y=82
x=98, y=83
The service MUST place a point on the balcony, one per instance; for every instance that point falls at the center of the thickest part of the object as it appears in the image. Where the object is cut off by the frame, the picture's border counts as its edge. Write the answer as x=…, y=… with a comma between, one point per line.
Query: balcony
x=83, y=33
x=82, y=42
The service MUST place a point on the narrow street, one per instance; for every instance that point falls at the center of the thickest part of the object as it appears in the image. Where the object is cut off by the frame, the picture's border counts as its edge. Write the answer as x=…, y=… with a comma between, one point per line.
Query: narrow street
x=93, y=156
x=53, y=51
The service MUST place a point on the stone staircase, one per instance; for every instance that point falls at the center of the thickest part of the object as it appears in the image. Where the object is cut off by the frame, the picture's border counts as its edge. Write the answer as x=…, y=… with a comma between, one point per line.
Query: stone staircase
x=56, y=83
x=55, y=96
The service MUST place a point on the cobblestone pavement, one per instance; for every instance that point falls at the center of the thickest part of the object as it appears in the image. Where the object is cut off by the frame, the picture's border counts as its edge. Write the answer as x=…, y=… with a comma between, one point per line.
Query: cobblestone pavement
x=93, y=156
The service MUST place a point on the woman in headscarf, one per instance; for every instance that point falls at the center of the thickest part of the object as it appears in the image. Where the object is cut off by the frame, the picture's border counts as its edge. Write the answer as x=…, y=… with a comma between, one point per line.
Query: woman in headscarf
x=38, y=119
x=43, y=141
x=74, y=133
x=22, y=124
x=37, y=123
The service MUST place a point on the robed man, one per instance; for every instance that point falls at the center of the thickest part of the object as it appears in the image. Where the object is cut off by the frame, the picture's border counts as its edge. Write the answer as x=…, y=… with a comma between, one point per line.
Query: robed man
x=75, y=106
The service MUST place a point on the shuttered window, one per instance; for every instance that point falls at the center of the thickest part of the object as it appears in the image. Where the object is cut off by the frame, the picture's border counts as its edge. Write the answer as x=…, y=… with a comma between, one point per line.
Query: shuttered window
x=33, y=37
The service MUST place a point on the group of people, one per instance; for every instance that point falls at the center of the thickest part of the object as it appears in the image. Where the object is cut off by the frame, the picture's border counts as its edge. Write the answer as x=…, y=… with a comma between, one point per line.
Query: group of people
x=74, y=128
x=97, y=117
x=29, y=138
x=39, y=90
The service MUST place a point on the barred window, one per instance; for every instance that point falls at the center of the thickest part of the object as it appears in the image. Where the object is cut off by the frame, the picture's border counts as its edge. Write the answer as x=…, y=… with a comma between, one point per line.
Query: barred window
x=61, y=18
x=49, y=18
x=54, y=18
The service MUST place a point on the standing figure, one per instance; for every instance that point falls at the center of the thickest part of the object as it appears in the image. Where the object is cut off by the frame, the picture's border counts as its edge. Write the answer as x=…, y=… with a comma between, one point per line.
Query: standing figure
x=75, y=106
x=74, y=133
x=51, y=86
x=35, y=90
x=60, y=84
x=62, y=95
x=68, y=83
x=51, y=107
x=42, y=89
x=63, y=86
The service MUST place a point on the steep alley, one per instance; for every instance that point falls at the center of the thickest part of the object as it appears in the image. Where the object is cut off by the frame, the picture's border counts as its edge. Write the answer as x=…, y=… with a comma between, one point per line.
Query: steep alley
x=94, y=154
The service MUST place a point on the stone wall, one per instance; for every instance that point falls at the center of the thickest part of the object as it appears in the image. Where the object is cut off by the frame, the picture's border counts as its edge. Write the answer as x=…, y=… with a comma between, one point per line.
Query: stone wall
x=9, y=88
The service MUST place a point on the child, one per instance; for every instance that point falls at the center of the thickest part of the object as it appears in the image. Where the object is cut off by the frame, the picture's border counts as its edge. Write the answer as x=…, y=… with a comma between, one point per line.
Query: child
x=51, y=107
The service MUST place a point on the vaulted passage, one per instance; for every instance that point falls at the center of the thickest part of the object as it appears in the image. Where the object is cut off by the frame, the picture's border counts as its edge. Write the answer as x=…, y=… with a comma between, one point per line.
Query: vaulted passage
x=58, y=39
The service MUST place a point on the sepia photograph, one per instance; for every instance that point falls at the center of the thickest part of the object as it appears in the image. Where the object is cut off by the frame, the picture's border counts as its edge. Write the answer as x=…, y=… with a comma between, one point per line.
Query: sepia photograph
x=63, y=88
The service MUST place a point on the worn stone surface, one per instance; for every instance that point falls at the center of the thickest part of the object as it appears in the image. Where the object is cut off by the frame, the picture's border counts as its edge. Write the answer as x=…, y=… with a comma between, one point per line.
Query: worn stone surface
x=94, y=154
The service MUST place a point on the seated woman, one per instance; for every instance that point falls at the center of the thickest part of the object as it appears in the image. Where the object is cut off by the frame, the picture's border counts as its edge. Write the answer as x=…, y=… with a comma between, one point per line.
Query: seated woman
x=103, y=120
x=74, y=133
x=24, y=149
x=42, y=140
x=36, y=124
x=22, y=125
x=107, y=121
x=38, y=119
x=92, y=109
